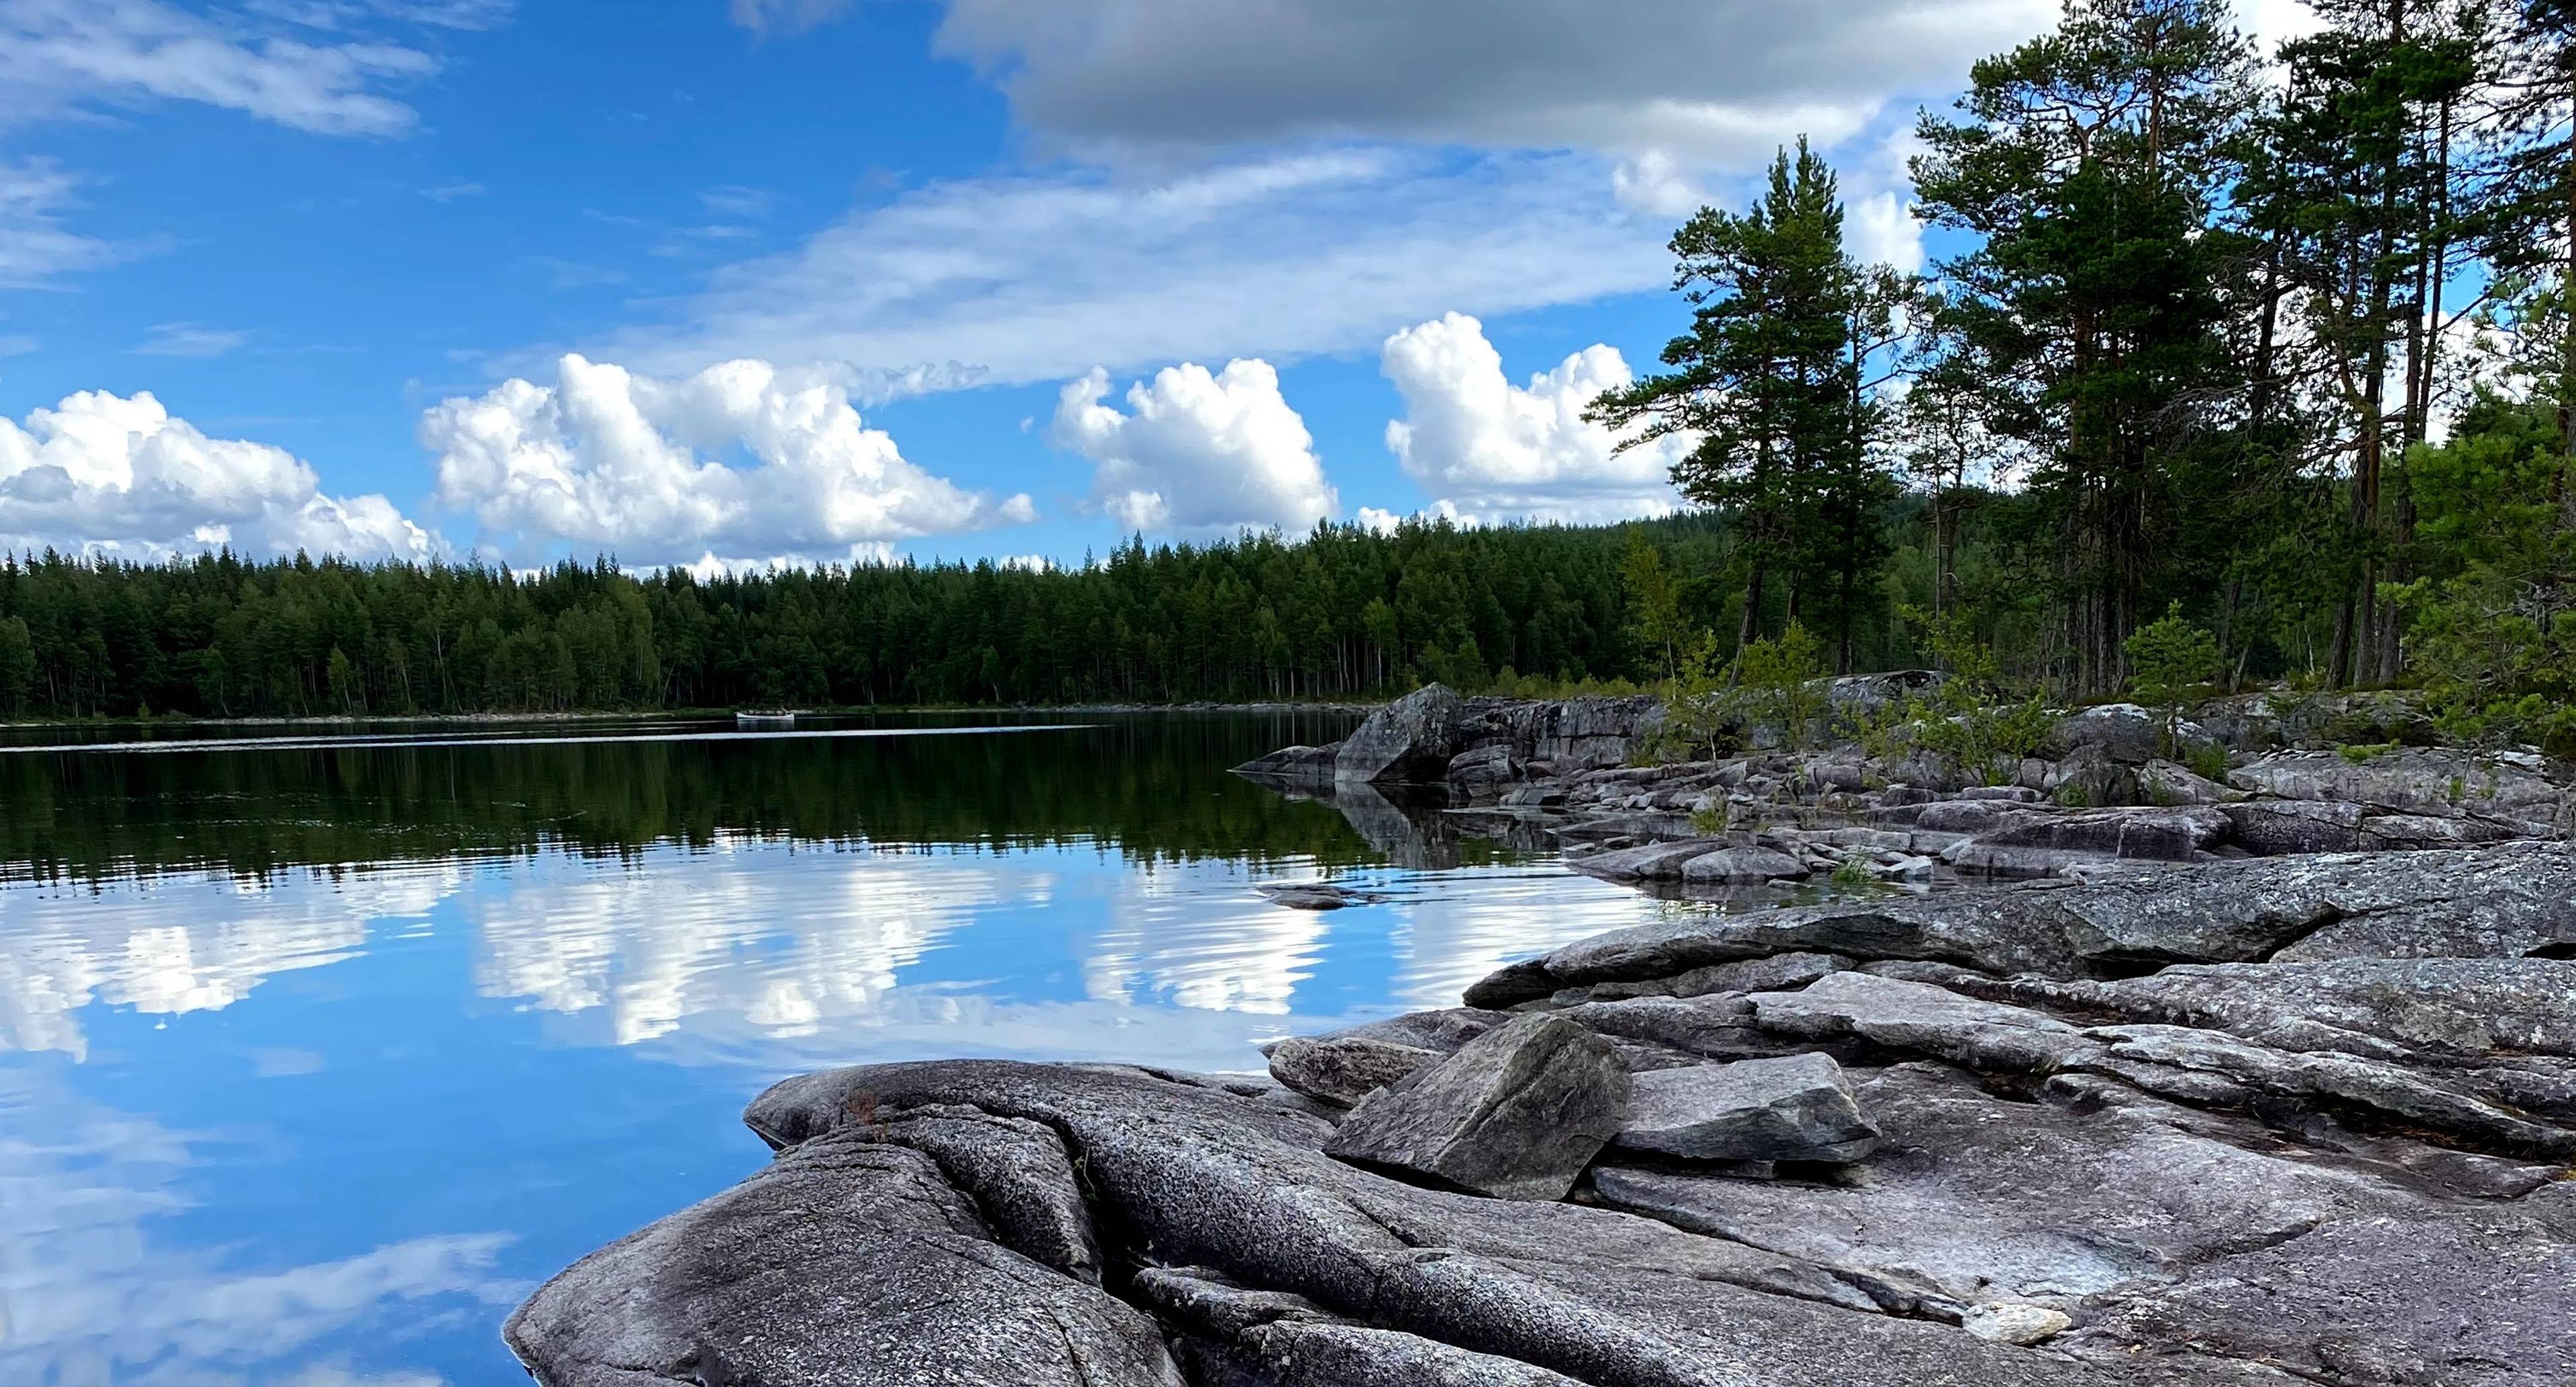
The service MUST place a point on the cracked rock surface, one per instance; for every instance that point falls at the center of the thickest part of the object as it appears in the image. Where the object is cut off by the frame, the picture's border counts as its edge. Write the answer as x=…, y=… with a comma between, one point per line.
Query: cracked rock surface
x=2261, y=1121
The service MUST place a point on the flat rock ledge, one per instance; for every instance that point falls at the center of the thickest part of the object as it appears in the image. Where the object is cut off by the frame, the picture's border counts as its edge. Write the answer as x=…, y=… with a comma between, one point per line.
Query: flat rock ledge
x=2272, y=1121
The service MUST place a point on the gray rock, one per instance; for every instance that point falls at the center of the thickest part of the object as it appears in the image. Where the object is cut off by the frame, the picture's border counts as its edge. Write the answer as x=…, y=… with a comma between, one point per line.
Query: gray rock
x=1312, y=895
x=1921, y=1019
x=1773, y=972
x=1516, y=1113
x=2274, y=827
x=1795, y=1108
x=2473, y=1295
x=1972, y=1197
x=802, y=1274
x=1483, y=770
x=1410, y=739
x=1196, y=1177
x=1742, y=866
x=2038, y=842
x=2415, y=780
x=1646, y=862
x=2128, y=733
x=2503, y=901
x=2163, y=782
x=1342, y=1070
x=1719, y=1026
x=2013, y=1322
x=1295, y=767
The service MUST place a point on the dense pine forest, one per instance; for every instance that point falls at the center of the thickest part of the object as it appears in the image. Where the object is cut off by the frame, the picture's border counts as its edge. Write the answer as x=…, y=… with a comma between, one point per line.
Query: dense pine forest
x=2271, y=345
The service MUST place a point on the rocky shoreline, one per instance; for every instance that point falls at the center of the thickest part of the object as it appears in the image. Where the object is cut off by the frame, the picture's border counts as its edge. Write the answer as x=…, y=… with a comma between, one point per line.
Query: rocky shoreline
x=2103, y=789
x=2207, y=1116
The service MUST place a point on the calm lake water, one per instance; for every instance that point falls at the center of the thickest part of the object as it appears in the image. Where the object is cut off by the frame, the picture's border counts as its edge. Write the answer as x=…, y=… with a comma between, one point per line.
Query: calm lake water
x=317, y=1053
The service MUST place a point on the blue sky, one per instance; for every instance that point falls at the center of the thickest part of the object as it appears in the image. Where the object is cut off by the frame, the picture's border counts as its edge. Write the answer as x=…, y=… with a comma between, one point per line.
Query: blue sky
x=347, y=247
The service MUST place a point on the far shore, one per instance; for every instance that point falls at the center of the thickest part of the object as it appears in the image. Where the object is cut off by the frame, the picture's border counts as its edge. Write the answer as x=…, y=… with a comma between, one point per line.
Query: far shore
x=692, y=714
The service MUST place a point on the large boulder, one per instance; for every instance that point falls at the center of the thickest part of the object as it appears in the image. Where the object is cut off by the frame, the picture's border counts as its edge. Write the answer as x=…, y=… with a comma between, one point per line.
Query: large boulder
x=1408, y=741
x=1516, y=1113
x=1794, y=1108
x=2126, y=732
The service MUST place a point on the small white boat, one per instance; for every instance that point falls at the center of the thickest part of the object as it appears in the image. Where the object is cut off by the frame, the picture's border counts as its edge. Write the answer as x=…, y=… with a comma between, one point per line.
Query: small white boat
x=763, y=722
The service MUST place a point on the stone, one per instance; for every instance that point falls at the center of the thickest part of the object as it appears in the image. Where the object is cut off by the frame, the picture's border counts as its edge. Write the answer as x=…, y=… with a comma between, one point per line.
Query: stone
x=2013, y=1322
x=1409, y=740
x=1773, y=972
x=1200, y=1178
x=1719, y=1026
x=1312, y=895
x=2164, y=782
x=1922, y=1019
x=1646, y=862
x=1515, y=1114
x=1483, y=770
x=2415, y=780
x=1741, y=866
x=2038, y=842
x=2089, y=1193
x=1296, y=767
x=1795, y=1108
x=2275, y=827
x=2125, y=918
x=1342, y=1070
x=812, y=1262
x=2127, y=733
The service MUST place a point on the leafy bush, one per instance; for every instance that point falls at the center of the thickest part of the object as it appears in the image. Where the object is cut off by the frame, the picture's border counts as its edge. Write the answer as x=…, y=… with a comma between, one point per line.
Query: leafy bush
x=2208, y=760
x=2170, y=659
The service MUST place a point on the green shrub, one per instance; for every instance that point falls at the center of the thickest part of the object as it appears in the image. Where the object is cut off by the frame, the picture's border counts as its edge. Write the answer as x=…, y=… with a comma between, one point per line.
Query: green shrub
x=1974, y=719
x=2170, y=659
x=2208, y=760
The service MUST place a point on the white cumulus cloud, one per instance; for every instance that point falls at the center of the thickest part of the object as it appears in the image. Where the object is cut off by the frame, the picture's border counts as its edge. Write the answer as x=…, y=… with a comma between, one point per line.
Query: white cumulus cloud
x=1489, y=450
x=605, y=459
x=1197, y=451
x=119, y=475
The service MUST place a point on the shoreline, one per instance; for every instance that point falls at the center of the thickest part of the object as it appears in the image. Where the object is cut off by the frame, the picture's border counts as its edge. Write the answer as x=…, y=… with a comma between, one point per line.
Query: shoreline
x=684, y=714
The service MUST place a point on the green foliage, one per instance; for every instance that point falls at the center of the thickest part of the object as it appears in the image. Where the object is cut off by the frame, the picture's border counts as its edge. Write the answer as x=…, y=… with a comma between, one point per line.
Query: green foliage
x=1700, y=720
x=1346, y=613
x=1656, y=602
x=1712, y=821
x=1778, y=682
x=1853, y=873
x=1975, y=719
x=2208, y=760
x=2363, y=753
x=17, y=665
x=2169, y=659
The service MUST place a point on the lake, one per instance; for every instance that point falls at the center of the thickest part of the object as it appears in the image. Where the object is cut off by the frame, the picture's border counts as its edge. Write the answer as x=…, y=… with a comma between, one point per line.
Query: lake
x=317, y=1053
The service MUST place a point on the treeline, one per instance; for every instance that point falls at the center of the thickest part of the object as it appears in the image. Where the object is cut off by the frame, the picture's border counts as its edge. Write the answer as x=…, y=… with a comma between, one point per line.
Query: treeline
x=1345, y=612
x=2202, y=315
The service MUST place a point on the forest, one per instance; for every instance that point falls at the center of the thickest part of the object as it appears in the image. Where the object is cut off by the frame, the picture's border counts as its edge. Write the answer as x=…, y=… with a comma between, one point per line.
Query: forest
x=2272, y=347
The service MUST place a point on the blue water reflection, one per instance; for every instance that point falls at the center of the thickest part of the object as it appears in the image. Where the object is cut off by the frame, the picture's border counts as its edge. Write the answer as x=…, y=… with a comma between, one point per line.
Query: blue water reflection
x=320, y=1124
